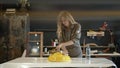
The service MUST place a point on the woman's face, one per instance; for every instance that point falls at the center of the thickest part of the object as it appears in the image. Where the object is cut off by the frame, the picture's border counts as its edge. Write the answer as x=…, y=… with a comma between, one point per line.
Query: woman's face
x=65, y=22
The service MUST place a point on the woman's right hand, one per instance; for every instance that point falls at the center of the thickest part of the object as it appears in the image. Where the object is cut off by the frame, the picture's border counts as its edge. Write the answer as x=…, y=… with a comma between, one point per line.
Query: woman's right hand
x=58, y=47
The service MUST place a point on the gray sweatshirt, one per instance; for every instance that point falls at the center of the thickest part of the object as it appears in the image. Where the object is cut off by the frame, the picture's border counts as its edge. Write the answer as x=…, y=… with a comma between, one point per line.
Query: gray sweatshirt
x=74, y=34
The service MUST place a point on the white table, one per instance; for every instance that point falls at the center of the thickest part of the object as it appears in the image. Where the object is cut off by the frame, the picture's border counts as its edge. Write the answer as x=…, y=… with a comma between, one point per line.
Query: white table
x=43, y=62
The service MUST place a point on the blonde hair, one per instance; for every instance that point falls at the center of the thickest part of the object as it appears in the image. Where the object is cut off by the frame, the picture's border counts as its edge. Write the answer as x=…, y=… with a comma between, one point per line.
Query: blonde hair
x=67, y=16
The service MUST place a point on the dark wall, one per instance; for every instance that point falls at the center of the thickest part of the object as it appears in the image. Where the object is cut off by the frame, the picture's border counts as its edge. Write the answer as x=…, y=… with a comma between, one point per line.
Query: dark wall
x=89, y=13
x=40, y=5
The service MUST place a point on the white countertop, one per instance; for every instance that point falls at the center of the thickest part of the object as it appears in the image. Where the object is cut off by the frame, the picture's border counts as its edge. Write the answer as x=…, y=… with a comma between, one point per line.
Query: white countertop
x=27, y=62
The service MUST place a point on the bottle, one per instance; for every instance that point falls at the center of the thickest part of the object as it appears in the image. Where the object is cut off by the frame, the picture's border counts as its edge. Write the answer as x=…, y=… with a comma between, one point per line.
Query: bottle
x=55, y=43
x=45, y=50
x=56, y=40
x=88, y=55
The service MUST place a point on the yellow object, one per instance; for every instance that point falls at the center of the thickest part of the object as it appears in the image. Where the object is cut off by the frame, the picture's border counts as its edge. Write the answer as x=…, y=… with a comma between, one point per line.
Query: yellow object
x=91, y=30
x=58, y=57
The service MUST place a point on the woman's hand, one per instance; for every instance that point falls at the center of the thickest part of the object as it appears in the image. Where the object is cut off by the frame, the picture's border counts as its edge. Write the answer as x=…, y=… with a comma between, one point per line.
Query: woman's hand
x=59, y=47
x=64, y=50
x=62, y=46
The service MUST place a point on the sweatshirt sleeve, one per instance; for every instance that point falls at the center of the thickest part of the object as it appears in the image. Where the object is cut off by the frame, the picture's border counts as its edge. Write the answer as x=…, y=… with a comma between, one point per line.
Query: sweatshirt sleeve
x=76, y=34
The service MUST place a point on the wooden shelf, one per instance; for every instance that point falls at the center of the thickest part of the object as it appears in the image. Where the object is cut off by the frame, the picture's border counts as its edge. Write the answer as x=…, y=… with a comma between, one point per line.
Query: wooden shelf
x=49, y=46
x=34, y=41
x=35, y=44
x=101, y=46
x=90, y=46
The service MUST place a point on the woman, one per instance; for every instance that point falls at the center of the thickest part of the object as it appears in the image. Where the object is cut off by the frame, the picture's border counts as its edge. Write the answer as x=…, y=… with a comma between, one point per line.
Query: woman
x=69, y=33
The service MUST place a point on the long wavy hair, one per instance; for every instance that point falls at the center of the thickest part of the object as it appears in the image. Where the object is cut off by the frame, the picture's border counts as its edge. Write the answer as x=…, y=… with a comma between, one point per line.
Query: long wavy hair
x=68, y=17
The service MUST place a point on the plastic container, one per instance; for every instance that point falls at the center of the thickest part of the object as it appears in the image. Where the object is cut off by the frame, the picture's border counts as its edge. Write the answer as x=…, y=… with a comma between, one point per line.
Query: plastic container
x=88, y=55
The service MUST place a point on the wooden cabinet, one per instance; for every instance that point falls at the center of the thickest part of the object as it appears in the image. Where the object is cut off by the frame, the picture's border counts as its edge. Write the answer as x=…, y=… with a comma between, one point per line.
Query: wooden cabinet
x=35, y=44
x=14, y=34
